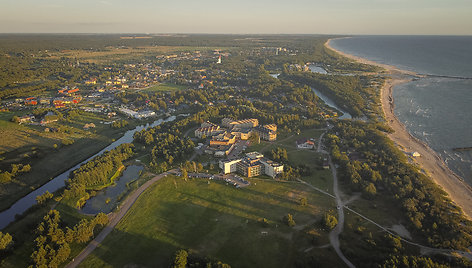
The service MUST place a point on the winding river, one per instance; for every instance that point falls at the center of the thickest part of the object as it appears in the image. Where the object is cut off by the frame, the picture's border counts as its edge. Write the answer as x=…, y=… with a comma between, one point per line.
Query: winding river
x=8, y=216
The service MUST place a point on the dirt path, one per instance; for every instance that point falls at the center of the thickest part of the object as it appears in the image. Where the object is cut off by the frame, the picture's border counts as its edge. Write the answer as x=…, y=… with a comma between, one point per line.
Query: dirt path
x=334, y=234
x=114, y=219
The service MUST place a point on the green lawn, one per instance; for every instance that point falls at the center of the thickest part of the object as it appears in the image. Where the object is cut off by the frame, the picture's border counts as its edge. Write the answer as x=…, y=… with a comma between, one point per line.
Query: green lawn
x=214, y=220
x=312, y=133
x=165, y=87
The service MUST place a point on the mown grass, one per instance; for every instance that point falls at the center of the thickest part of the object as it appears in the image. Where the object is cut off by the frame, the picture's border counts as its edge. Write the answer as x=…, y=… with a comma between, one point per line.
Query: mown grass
x=212, y=219
x=164, y=87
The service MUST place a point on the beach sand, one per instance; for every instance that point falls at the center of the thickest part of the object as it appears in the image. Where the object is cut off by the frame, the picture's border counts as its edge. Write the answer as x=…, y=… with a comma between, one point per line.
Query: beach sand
x=429, y=161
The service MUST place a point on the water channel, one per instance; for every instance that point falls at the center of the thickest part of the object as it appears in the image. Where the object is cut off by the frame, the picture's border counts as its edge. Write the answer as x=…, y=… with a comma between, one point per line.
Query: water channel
x=8, y=216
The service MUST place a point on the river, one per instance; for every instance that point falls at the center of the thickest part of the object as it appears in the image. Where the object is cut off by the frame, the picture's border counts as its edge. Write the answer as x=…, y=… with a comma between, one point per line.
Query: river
x=20, y=206
x=332, y=104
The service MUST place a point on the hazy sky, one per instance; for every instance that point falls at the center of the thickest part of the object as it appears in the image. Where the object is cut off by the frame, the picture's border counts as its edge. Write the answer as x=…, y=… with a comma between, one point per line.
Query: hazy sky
x=243, y=16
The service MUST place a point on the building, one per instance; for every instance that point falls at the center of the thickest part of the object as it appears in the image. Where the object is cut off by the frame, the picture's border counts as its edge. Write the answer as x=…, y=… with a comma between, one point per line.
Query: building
x=242, y=134
x=271, y=168
x=208, y=131
x=267, y=132
x=223, y=139
x=245, y=123
x=26, y=119
x=145, y=114
x=305, y=143
x=251, y=165
x=229, y=166
x=208, y=124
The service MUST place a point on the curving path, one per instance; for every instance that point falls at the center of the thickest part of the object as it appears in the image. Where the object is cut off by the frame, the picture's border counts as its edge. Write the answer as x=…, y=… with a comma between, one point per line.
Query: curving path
x=114, y=218
x=334, y=234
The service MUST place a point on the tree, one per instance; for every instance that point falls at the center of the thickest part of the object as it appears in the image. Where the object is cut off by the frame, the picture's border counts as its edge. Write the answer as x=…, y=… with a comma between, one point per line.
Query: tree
x=199, y=167
x=289, y=220
x=329, y=221
x=5, y=240
x=303, y=201
x=184, y=173
x=41, y=199
x=369, y=191
x=180, y=259
x=5, y=177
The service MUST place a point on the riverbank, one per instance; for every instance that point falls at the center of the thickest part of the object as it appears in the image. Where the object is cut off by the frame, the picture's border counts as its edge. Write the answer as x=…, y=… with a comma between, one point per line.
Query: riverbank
x=459, y=191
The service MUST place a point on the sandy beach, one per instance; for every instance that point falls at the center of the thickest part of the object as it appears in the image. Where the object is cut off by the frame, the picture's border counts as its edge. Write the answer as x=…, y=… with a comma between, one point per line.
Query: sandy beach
x=459, y=191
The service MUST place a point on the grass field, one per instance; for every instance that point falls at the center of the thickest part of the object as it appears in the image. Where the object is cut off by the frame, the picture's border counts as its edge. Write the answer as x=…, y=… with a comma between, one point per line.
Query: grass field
x=213, y=220
x=113, y=54
x=28, y=144
x=164, y=87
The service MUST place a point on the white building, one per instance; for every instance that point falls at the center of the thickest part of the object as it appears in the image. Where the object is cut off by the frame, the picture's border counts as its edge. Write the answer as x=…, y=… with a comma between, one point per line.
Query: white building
x=229, y=166
x=305, y=144
x=272, y=168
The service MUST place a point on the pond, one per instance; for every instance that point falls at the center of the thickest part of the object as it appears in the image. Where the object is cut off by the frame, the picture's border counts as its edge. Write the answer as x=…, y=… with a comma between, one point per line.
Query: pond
x=107, y=199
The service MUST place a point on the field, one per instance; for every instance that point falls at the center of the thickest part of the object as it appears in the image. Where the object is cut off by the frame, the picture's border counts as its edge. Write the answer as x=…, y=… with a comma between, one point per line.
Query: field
x=111, y=54
x=217, y=220
x=30, y=144
x=164, y=87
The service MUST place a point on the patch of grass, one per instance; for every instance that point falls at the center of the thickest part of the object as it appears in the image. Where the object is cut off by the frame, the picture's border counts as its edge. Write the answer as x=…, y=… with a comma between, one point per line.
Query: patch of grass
x=312, y=133
x=165, y=87
x=212, y=220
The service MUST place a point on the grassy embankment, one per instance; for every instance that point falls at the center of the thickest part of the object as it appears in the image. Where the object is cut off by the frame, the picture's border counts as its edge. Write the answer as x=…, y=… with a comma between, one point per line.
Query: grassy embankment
x=28, y=144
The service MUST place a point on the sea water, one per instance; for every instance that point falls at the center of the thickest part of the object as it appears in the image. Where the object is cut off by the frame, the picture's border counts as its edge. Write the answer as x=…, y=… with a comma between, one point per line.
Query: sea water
x=436, y=109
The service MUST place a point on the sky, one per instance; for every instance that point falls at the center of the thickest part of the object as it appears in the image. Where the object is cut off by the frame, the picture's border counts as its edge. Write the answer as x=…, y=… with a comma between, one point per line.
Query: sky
x=389, y=17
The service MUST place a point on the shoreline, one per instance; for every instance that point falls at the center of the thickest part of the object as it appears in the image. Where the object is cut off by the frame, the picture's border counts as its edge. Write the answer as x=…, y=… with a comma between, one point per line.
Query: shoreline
x=429, y=161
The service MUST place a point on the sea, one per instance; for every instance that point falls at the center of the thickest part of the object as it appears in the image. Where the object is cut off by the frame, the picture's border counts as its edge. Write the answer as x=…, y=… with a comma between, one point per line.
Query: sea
x=436, y=109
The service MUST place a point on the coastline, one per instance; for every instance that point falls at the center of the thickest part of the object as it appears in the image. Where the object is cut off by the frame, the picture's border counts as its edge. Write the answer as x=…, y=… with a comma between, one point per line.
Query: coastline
x=429, y=161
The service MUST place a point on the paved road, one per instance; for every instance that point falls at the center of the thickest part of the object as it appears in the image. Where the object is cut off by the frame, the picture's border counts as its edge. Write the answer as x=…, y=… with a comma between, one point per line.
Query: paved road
x=114, y=219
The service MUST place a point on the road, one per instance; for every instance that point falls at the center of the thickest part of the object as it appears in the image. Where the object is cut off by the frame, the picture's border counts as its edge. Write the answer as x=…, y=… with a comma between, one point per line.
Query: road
x=334, y=234
x=114, y=218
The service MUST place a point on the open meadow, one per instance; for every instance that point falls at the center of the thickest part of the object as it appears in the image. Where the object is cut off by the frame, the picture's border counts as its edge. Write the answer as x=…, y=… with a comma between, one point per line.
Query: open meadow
x=210, y=218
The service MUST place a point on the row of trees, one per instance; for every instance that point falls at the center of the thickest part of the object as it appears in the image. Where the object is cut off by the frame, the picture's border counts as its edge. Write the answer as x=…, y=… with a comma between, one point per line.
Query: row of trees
x=52, y=244
x=16, y=169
